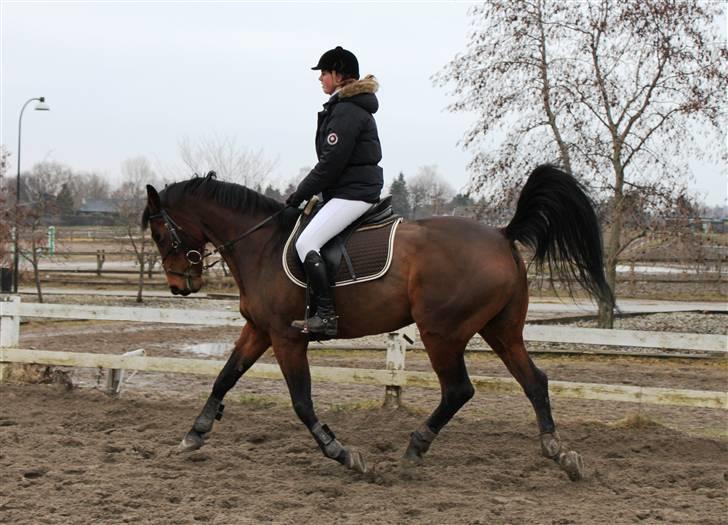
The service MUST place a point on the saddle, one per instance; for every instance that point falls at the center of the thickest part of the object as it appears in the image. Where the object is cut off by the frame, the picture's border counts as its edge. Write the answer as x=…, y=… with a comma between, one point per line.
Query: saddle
x=360, y=253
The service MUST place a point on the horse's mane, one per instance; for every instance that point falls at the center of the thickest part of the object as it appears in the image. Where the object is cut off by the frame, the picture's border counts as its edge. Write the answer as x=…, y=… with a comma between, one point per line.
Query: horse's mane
x=226, y=194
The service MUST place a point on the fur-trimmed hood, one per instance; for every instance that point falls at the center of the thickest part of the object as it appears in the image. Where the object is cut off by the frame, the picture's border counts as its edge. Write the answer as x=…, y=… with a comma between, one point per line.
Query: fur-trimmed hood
x=361, y=93
x=368, y=84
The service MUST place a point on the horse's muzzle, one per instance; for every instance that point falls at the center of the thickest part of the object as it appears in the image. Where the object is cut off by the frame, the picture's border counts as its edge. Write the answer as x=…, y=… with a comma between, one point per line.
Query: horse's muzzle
x=181, y=291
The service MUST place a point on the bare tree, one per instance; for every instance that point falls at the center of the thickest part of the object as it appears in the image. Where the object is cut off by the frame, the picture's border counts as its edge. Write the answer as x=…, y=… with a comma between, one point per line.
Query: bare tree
x=129, y=211
x=43, y=183
x=7, y=210
x=622, y=92
x=38, y=205
x=86, y=186
x=231, y=161
x=137, y=173
x=429, y=192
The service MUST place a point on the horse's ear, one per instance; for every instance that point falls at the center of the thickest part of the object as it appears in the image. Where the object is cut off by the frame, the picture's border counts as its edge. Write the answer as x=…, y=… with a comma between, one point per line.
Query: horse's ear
x=154, y=205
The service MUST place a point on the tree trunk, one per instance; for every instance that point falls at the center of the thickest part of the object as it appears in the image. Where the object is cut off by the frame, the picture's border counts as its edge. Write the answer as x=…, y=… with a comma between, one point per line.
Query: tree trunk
x=139, y=252
x=141, y=270
x=150, y=265
x=141, y=280
x=606, y=310
x=34, y=262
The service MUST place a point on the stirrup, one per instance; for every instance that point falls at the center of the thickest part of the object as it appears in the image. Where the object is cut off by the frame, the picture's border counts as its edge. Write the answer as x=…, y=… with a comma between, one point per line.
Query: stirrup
x=329, y=325
x=300, y=324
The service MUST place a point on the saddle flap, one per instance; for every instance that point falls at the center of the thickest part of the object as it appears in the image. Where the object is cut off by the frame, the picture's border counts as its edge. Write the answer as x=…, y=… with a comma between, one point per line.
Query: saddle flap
x=366, y=249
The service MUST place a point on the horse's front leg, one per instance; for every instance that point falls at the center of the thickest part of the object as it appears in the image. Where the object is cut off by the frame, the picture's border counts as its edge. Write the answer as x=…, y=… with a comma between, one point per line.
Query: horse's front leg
x=251, y=344
x=292, y=358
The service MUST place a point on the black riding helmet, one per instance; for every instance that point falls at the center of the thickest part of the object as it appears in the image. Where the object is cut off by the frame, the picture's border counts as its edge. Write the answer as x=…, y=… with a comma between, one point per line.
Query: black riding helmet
x=340, y=60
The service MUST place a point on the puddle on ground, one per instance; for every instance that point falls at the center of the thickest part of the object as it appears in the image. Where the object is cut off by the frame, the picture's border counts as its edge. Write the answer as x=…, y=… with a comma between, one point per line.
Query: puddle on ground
x=208, y=349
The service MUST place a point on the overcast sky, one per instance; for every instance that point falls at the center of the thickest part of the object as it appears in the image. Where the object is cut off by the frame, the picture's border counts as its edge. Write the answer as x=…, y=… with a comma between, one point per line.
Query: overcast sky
x=134, y=78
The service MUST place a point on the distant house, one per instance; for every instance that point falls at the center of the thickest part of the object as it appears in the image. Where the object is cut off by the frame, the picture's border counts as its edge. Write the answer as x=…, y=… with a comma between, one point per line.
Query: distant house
x=702, y=224
x=99, y=208
x=716, y=225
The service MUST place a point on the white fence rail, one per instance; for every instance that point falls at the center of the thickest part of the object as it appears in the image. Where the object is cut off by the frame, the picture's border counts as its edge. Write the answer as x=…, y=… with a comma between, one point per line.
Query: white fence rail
x=394, y=377
x=538, y=333
x=389, y=378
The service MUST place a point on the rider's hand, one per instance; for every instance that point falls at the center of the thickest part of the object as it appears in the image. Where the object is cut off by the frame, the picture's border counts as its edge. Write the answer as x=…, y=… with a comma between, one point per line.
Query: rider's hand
x=294, y=200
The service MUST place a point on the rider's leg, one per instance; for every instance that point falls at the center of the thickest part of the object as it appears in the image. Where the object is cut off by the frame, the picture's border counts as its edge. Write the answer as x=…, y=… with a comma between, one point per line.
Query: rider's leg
x=335, y=215
x=324, y=320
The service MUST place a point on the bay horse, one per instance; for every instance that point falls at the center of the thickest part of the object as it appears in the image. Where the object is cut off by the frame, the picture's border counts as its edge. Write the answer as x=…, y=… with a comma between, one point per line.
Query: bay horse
x=453, y=277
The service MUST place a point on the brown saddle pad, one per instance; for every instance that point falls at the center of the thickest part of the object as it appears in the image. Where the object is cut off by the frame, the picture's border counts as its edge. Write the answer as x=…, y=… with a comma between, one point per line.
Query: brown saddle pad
x=369, y=248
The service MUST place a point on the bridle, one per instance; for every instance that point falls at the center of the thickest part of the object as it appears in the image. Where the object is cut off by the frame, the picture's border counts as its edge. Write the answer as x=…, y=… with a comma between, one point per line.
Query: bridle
x=194, y=257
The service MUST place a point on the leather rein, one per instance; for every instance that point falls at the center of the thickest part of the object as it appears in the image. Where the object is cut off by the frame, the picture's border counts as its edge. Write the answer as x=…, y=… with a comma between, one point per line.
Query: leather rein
x=194, y=257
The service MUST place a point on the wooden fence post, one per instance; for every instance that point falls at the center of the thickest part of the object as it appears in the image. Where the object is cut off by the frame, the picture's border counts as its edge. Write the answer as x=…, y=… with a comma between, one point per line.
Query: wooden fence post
x=115, y=377
x=100, y=258
x=9, y=327
x=395, y=361
x=396, y=347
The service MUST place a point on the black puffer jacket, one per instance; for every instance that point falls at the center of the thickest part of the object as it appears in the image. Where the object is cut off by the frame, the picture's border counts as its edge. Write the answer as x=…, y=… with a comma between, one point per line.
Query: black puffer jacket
x=348, y=148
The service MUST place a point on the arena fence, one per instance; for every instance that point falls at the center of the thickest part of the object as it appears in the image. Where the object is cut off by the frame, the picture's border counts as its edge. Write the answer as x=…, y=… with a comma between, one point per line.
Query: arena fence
x=394, y=376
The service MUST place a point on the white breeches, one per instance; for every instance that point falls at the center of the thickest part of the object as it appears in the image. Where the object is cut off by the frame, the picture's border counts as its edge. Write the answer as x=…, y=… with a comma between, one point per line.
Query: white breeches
x=331, y=220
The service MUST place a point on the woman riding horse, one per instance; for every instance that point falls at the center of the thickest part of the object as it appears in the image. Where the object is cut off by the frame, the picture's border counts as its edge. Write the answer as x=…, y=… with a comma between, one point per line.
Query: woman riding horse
x=347, y=173
x=472, y=280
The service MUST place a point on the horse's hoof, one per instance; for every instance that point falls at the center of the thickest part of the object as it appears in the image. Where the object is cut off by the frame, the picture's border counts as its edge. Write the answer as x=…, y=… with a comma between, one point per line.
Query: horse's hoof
x=573, y=465
x=355, y=461
x=410, y=457
x=550, y=446
x=192, y=441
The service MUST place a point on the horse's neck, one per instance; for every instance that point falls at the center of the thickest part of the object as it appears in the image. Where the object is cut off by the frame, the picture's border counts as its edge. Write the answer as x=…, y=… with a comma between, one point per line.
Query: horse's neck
x=226, y=231
x=230, y=226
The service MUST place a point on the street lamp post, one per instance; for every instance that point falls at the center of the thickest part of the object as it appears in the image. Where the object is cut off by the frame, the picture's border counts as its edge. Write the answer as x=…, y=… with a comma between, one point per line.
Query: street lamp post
x=40, y=106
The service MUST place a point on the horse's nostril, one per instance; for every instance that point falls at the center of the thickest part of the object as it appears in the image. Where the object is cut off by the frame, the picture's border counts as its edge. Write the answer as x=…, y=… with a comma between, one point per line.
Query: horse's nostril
x=174, y=290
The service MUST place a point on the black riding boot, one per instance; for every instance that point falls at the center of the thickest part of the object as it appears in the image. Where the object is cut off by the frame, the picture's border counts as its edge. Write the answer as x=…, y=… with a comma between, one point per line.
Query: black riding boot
x=325, y=320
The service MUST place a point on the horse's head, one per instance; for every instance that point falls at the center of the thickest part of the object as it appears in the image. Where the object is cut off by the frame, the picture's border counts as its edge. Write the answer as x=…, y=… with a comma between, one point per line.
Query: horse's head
x=181, y=245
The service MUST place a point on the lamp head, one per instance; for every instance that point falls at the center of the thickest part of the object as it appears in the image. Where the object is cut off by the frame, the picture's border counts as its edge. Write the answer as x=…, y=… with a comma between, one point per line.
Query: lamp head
x=41, y=105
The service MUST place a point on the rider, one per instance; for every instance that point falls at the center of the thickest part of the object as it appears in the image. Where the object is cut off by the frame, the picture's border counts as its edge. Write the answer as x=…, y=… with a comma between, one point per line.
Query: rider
x=347, y=173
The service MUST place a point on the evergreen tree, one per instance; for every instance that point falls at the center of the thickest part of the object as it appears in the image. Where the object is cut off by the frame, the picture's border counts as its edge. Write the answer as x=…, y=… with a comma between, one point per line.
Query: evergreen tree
x=400, y=196
x=64, y=200
x=273, y=193
x=462, y=200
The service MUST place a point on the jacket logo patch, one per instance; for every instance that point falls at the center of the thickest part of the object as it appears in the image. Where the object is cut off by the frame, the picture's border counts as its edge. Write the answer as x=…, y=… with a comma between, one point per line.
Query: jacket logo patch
x=332, y=139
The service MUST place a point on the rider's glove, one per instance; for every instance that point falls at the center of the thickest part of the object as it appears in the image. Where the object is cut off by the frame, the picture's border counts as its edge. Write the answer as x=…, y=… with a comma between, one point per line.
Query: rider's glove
x=294, y=200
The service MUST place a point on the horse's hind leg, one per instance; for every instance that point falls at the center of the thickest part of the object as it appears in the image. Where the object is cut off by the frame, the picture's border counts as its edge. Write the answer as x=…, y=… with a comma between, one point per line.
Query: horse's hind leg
x=456, y=389
x=507, y=341
x=248, y=348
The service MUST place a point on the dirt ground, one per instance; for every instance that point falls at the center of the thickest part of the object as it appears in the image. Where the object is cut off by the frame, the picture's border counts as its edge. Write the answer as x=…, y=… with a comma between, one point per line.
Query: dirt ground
x=78, y=456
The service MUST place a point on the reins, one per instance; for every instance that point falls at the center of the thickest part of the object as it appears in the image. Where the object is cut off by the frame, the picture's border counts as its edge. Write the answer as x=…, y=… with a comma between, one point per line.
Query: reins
x=228, y=244
x=194, y=256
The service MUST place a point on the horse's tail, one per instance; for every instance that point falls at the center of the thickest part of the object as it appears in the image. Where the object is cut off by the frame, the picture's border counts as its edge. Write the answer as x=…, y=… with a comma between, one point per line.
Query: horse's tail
x=555, y=217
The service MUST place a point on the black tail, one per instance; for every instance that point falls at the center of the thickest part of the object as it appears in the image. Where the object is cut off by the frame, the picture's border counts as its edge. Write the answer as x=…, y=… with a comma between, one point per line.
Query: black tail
x=555, y=217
